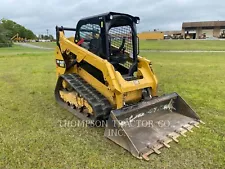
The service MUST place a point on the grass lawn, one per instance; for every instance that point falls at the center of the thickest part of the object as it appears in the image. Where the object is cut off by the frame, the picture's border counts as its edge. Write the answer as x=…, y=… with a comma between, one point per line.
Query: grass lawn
x=165, y=44
x=30, y=132
x=182, y=45
x=44, y=44
x=17, y=50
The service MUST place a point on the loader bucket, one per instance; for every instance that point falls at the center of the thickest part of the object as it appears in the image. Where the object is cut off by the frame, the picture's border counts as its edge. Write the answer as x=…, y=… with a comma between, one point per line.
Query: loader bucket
x=145, y=128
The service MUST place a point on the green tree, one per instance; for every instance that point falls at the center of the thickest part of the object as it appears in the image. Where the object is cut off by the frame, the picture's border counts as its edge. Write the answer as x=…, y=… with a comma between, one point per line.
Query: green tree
x=14, y=28
x=51, y=37
x=46, y=37
x=4, y=41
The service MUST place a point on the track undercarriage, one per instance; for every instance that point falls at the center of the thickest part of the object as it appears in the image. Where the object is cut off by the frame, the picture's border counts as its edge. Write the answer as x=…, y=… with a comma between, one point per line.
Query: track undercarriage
x=81, y=98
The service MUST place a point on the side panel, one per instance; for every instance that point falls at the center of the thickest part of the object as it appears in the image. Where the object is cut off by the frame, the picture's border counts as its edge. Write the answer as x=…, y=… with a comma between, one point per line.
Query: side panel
x=97, y=85
x=60, y=68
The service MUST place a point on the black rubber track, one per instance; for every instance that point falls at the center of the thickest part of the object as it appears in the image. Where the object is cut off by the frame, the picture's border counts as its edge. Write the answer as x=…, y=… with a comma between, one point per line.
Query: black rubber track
x=100, y=105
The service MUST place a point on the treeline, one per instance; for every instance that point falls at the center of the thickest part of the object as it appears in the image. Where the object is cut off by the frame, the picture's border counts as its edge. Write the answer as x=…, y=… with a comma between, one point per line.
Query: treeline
x=46, y=37
x=9, y=28
x=4, y=41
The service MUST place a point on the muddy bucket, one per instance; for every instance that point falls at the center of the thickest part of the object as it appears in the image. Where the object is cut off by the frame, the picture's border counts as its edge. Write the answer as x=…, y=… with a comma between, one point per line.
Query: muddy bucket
x=145, y=128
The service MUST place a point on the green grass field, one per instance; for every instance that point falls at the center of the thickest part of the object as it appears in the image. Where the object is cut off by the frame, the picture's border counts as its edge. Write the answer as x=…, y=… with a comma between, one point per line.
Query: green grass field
x=166, y=45
x=182, y=45
x=16, y=49
x=44, y=44
x=30, y=132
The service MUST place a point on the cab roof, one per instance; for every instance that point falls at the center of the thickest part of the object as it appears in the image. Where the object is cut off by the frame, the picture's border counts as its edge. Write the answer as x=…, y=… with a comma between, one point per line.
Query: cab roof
x=108, y=14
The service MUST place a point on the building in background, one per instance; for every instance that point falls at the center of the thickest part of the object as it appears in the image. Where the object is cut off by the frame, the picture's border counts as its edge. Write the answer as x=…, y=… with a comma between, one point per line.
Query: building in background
x=190, y=30
x=160, y=35
x=202, y=30
x=173, y=34
x=155, y=35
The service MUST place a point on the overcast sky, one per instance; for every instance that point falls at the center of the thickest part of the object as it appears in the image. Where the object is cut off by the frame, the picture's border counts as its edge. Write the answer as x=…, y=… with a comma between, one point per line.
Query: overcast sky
x=39, y=15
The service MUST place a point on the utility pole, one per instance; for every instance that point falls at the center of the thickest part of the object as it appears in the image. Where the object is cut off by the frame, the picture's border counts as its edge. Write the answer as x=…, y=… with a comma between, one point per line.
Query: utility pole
x=47, y=31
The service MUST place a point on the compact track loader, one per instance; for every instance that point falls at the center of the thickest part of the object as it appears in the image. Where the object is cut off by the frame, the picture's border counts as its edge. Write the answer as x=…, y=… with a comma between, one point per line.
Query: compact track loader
x=102, y=78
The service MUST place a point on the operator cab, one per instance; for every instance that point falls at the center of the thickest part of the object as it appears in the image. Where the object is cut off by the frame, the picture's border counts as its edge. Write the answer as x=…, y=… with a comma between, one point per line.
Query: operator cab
x=111, y=36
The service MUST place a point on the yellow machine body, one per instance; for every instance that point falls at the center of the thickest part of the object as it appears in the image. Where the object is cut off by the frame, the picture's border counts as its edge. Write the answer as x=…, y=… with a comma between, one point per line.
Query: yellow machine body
x=118, y=91
x=115, y=85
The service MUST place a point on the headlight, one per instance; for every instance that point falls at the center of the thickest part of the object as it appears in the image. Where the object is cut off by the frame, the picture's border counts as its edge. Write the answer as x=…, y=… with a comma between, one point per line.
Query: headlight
x=138, y=21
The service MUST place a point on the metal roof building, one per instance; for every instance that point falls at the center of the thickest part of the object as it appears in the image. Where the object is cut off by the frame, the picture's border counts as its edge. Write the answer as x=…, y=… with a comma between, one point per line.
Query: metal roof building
x=208, y=28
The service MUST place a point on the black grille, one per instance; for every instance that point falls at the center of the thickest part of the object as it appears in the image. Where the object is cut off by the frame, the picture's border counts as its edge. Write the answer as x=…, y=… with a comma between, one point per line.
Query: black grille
x=117, y=35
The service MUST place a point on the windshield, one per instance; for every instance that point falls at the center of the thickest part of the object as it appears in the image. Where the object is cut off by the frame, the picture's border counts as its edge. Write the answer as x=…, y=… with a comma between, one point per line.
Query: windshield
x=121, y=37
